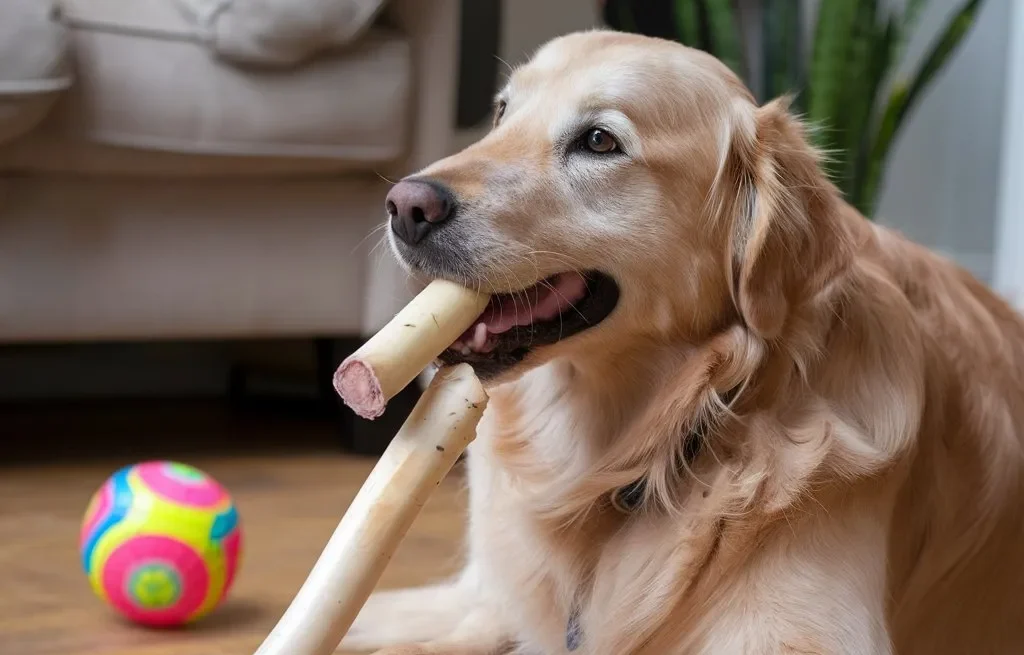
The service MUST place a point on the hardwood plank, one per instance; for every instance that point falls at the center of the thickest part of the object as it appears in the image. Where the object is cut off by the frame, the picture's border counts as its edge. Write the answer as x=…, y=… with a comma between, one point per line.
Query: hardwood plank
x=289, y=505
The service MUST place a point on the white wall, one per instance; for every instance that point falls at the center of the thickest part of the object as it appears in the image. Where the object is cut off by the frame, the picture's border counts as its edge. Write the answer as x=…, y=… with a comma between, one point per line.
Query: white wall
x=1009, y=265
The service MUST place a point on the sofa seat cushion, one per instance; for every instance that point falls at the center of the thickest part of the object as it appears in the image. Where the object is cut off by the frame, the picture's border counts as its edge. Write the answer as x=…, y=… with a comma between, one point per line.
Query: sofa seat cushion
x=33, y=64
x=146, y=82
x=112, y=259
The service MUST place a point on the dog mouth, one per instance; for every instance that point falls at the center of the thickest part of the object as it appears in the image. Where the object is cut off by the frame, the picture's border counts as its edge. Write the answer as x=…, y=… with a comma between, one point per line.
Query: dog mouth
x=515, y=324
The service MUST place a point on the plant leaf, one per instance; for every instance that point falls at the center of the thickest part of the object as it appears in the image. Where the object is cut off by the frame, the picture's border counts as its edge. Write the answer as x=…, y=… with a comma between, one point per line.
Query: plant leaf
x=686, y=22
x=904, y=27
x=955, y=31
x=770, y=49
x=623, y=16
x=905, y=95
x=828, y=66
x=854, y=108
x=781, y=38
x=724, y=32
x=878, y=69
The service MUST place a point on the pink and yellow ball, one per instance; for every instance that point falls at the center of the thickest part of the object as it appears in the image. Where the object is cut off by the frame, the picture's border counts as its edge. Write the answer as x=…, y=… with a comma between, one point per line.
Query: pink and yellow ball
x=161, y=543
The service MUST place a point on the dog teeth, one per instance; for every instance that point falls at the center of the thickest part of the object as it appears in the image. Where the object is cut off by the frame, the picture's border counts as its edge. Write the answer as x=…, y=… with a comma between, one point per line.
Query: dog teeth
x=480, y=341
x=479, y=337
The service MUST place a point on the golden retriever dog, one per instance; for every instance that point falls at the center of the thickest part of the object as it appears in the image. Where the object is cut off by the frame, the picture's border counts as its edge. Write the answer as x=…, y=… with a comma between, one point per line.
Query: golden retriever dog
x=729, y=415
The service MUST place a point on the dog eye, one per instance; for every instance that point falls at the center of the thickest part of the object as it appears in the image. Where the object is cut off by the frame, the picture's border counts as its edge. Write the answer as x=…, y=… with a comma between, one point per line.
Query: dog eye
x=499, y=111
x=600, y=141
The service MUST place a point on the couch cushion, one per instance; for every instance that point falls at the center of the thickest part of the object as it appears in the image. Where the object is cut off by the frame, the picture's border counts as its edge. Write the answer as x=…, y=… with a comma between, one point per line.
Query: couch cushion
x=86, y=259
x=33, y=64
x=278, y=32
x=146, y=82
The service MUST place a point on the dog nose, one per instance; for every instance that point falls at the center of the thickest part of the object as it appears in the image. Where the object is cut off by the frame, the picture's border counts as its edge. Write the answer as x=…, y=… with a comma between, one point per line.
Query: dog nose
x=415, y=207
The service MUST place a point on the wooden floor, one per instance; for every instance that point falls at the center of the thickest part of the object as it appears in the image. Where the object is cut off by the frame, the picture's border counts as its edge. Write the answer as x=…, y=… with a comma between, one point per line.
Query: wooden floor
x=289, y=504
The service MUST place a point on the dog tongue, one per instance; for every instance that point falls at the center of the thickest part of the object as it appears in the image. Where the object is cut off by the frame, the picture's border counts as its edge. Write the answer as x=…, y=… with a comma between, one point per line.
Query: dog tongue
x=542, y=302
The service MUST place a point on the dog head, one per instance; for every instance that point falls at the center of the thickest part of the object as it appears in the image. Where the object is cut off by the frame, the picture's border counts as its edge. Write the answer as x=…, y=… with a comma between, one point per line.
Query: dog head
x=630, y=189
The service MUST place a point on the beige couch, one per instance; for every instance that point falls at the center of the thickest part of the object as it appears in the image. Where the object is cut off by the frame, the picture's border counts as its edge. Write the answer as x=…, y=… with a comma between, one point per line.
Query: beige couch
x=209, y=168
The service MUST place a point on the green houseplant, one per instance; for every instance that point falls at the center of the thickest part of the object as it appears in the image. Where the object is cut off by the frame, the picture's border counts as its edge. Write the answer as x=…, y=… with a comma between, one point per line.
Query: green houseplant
x=843, y=81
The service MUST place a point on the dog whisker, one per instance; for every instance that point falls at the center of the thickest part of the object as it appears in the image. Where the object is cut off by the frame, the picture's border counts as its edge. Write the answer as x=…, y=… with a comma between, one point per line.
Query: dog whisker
x=386, y=179
x=371, y=233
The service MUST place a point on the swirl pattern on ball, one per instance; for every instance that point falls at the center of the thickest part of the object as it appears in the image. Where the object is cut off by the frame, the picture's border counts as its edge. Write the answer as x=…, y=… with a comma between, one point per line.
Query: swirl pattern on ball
x=161, y=543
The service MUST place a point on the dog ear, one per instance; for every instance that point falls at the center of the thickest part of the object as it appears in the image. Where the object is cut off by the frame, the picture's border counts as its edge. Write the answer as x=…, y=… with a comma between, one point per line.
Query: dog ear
x=786, y=237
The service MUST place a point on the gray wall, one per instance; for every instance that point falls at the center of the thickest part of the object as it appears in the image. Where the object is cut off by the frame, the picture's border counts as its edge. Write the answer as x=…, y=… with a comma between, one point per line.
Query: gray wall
x=1008, y=270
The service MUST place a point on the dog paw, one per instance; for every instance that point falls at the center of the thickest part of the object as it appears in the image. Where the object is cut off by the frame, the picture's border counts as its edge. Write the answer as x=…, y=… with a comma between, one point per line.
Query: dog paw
x=397, y=618
x=435, y=649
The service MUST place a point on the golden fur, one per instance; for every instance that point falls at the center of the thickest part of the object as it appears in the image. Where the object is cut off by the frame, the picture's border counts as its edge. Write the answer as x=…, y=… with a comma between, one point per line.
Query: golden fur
x=862, y=491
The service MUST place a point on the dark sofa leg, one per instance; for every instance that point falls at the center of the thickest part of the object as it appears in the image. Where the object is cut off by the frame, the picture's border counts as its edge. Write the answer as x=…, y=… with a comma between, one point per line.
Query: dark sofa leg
x=329, y=353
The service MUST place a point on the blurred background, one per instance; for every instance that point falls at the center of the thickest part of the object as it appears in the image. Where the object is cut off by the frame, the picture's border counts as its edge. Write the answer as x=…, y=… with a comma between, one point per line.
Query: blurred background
x=189, y=192
x=187, y=205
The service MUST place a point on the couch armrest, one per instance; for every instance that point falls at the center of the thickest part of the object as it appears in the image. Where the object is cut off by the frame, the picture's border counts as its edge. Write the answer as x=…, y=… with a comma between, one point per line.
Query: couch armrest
x=33, y=64
x=432, y=27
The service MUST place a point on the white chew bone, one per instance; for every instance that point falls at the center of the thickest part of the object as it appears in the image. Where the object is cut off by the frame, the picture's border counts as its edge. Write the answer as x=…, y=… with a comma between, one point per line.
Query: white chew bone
x=393, y=357
x=438, y=430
